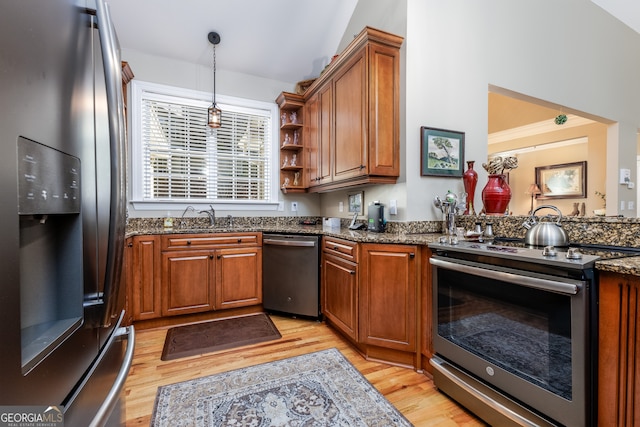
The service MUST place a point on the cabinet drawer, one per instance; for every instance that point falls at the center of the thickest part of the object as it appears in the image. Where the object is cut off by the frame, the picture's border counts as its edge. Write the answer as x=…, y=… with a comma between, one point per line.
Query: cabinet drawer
x=341, y=248
x=210, y=241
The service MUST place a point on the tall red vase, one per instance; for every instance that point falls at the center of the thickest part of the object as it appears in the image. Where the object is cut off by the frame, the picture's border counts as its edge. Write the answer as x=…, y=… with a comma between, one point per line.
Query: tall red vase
x=470, y=180
x=496, y=195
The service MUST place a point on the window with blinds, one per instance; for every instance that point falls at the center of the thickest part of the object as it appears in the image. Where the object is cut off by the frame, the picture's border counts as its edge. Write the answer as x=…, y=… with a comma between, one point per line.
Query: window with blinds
x=185, y=160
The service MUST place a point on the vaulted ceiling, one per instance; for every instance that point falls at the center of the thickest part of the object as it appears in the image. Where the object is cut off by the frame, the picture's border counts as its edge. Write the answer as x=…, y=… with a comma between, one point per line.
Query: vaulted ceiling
x=286, y=40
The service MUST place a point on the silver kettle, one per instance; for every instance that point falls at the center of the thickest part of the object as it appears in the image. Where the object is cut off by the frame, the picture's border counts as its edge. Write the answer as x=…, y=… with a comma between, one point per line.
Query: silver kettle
x=545, y=233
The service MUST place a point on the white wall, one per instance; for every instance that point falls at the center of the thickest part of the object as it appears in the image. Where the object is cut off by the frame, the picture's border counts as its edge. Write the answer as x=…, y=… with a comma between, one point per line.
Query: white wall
x=570, y=53
x=182, y=74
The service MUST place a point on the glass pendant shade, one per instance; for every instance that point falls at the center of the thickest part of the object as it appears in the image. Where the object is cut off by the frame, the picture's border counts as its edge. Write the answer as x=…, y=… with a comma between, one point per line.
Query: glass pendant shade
x=214, y=116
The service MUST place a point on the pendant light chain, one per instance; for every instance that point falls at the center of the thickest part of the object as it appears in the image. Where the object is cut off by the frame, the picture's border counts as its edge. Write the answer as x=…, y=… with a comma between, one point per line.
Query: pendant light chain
x=214, y=74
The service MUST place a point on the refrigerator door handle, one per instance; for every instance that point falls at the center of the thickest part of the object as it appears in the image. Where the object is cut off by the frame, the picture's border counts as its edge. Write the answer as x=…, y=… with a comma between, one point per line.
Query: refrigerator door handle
x=114, y=394
x=115, y=102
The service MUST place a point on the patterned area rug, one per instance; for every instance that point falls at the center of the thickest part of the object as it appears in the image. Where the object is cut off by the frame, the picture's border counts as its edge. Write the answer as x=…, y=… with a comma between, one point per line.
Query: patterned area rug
x=316, y=389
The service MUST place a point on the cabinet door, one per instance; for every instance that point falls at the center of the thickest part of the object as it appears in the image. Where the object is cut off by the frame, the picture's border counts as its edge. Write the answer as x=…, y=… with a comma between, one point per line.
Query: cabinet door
x=619, y=350
x=388, y=296
x=350, y=122
x=145, y=296
x=384, y=111
x=326, y=149
x=188, y=282
x=238, y=277
x=340, y=294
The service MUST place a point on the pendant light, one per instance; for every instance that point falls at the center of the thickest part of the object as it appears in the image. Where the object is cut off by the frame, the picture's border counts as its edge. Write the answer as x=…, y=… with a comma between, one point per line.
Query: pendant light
x=214, y=113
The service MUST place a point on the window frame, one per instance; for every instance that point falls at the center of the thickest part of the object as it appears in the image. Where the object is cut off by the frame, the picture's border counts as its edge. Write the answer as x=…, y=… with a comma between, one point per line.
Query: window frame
x=138, y=90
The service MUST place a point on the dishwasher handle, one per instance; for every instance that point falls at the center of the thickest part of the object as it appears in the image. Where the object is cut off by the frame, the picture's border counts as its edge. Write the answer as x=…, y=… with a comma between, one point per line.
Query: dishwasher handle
x=297, y=243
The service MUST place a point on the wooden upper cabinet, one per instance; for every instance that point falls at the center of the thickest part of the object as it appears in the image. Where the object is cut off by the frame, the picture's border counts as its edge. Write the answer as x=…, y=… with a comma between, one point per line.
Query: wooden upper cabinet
x=353, y=115
x=350, y=120
x=384, y=110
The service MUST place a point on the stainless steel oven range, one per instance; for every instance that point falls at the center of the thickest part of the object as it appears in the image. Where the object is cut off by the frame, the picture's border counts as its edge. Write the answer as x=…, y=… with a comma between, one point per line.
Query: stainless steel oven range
x=515, y=332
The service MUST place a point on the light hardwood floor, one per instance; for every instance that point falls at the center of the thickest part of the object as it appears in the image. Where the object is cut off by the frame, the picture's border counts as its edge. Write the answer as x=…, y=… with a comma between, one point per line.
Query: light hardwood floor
x=412, y=393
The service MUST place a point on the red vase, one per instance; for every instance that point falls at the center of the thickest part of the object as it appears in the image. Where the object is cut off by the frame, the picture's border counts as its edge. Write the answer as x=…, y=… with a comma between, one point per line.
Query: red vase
x=496, y=195
x=470, y=180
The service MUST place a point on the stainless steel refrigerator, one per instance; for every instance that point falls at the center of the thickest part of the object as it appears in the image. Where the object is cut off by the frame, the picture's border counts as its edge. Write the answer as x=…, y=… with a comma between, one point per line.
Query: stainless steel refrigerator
x=62, y=213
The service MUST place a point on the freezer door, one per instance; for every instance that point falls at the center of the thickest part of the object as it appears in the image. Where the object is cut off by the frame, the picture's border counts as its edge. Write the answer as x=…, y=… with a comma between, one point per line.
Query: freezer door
x=98, y=400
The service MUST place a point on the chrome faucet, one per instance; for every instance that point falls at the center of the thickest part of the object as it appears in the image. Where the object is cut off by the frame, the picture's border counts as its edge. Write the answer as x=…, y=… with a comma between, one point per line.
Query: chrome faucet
x=187, y=209
x=212, y=215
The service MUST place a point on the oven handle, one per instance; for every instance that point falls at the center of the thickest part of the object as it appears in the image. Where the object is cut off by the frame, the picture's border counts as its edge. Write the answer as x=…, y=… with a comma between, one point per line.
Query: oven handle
x=531, y=282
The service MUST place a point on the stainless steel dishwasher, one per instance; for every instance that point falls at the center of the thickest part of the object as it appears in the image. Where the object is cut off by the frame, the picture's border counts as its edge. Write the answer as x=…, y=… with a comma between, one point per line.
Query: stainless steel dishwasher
x=291, y=274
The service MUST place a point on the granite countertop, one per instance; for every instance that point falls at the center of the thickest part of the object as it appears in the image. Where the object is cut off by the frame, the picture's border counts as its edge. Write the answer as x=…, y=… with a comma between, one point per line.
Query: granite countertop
x=630, y=265
x=361, y=236
x=401, y=235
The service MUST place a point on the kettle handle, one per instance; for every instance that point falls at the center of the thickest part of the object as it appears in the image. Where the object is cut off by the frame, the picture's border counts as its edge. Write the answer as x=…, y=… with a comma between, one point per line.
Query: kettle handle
x=548, y=207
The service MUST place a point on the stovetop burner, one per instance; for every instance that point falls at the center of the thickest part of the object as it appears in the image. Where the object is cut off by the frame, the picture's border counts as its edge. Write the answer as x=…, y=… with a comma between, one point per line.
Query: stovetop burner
x=601, y=251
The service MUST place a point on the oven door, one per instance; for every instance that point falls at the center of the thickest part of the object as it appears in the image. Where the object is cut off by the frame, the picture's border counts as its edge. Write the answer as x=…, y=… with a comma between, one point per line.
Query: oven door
x=524, y=334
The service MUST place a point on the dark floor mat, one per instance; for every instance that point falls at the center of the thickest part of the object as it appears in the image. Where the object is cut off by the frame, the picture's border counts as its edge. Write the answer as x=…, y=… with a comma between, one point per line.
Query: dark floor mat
x=200, y=338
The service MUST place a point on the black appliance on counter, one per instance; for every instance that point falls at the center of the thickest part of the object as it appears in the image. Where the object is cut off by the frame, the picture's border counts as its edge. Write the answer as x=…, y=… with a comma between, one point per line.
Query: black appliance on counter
x=64, y=353
x=376, y=221
x=291, y=274
x=515, y=330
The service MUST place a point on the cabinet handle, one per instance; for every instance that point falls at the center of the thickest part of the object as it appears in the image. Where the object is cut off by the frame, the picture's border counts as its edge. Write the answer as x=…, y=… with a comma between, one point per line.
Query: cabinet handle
x=352, y=272
x=239, y=240
x=219, y=256
x=335, y=248
x=211, y=256
x=188, y=242
x=362, y=167
x=412, y=255
x=130, y=244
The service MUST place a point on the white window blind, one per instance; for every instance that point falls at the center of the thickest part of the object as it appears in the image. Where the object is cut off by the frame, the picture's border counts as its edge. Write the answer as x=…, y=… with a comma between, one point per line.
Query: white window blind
x=185, y=160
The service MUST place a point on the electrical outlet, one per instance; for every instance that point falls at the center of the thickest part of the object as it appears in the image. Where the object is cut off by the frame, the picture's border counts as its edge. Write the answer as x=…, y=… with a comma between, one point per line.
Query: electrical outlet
x=294, y=206
x=625, y=176
x=341, y=206
x=393, y=207
x=622, y=205
x=281, y=206
x=632, y=205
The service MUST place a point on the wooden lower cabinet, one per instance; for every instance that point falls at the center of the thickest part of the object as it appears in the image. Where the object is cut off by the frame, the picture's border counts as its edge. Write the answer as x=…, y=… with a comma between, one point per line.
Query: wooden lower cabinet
x=340, y=290
x=389, y=298
x=188, y=282
x=619, y=350
x=142, y=256
x=238, y=277
x=371, y=295
x=178, y=274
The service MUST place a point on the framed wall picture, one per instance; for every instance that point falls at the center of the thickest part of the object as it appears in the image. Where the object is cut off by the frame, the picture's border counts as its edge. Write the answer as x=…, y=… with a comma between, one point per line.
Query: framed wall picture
x=563, y=181
x=356, y=202
x=441, y=152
